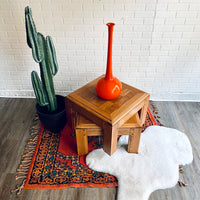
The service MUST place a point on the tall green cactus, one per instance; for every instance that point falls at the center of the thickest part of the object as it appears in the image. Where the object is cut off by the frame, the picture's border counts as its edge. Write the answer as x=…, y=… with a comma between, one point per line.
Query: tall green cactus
x=43, y=52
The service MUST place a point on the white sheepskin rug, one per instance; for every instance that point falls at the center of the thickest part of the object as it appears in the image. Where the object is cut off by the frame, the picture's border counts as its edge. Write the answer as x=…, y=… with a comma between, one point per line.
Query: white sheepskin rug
x=156, y=166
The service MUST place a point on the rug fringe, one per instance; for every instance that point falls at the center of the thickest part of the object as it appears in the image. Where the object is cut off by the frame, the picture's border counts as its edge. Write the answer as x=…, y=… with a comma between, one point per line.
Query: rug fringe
x=181, y=170
x=19, y=188
x=26, y=158
x=181, y=183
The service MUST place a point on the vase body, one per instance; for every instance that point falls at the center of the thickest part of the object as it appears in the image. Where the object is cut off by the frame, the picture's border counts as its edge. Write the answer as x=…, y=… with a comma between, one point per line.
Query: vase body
x=109, y=87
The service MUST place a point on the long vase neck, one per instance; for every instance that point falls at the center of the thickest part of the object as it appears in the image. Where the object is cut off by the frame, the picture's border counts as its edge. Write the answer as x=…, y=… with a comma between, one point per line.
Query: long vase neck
x=109, y=74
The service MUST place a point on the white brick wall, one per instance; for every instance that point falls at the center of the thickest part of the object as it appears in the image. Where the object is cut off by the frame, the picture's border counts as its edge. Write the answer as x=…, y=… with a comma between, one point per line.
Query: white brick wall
x=156, y=44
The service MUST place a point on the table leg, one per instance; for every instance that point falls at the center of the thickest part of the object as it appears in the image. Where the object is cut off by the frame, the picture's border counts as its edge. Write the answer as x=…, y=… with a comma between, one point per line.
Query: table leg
x=144, y=111
x=110, y=135
x=69, y=113
x=82, y=141
x=134, y=140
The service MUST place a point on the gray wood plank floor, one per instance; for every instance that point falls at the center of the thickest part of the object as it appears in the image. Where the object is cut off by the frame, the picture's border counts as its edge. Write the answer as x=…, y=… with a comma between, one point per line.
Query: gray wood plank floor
x=16, y=119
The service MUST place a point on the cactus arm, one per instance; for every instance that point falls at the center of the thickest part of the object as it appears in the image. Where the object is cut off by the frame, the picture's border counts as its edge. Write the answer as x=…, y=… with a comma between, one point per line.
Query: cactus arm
x=27, y=11
x=52, y=55
x=32, y=38
x=46, y=75
x=39, y=89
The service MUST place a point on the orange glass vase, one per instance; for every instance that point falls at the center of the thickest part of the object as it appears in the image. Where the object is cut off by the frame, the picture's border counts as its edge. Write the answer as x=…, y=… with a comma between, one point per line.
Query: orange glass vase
x=109, y=87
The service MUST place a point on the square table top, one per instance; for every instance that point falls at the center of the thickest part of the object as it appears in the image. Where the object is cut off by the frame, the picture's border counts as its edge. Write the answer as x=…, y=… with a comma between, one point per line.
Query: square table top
x=109, y=110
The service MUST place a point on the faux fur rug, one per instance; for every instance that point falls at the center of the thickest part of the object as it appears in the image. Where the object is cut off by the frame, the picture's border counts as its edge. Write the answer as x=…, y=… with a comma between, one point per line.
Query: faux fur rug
x=156, y=166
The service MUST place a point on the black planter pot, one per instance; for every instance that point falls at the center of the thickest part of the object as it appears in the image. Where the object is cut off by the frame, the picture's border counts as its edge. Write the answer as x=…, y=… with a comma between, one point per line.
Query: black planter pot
x=53, y=121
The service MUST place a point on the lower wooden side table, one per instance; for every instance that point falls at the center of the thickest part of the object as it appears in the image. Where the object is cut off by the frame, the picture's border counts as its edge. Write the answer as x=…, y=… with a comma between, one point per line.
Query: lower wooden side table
x=85, y=128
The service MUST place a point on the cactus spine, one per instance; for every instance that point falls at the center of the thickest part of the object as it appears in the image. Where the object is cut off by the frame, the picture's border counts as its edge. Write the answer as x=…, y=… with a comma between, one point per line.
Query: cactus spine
x=43, y=52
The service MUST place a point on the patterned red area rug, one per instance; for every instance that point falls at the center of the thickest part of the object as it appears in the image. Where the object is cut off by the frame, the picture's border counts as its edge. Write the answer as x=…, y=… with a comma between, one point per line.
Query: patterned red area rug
x=50, y=160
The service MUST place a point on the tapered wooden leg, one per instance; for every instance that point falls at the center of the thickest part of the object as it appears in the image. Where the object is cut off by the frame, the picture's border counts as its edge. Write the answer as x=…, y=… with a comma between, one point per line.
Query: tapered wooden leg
x=134, y=140
x=144, y=111
x=82, y=141
x=69, y=113
x=110, y=136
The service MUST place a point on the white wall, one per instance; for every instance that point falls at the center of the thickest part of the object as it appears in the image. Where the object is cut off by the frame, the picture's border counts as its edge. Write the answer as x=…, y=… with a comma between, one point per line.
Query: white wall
x=156, y=44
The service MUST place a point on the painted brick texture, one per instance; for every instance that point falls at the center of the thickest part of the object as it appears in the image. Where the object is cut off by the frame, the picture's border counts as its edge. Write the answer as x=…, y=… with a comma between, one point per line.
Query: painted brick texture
x=156, y=44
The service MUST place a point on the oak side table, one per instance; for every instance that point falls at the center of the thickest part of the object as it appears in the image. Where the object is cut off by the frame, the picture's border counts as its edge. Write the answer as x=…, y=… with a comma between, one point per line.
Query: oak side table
x=110, y=115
